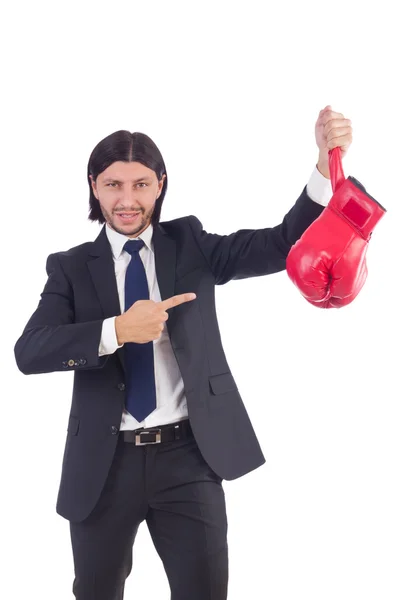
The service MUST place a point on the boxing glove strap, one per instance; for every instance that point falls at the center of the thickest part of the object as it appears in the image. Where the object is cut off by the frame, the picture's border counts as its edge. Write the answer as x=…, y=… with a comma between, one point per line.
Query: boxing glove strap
x=352, y=203
x=360, y=186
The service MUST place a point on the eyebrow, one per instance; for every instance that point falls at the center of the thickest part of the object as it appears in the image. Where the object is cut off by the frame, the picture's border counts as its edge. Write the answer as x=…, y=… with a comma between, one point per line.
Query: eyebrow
x=113, y=180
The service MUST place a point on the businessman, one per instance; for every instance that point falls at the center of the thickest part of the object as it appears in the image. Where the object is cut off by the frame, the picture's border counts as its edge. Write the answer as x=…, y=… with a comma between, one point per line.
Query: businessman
x=156, y=420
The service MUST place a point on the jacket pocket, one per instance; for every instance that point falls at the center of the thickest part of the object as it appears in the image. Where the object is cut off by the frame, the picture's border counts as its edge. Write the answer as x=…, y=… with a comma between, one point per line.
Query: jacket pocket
x=73, y=425
x=220, y=384
x=195, y=270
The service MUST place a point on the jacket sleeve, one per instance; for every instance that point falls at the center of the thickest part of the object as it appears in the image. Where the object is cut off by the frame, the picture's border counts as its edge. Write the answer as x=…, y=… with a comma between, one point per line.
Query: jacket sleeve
x=255, y=252
x=51, y=340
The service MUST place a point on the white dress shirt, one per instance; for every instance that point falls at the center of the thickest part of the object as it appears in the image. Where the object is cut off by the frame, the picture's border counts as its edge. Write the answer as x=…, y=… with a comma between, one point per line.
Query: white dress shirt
x=171, y=399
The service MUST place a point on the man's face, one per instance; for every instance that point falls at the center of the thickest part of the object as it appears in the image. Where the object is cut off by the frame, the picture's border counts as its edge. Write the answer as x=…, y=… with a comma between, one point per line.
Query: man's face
x=125, y=188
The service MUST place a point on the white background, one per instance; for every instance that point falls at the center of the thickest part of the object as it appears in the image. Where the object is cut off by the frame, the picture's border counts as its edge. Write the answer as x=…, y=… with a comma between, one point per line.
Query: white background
x=230, y=92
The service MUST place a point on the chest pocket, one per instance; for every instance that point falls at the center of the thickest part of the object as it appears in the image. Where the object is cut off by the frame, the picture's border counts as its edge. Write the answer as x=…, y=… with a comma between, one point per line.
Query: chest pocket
x=194, y=273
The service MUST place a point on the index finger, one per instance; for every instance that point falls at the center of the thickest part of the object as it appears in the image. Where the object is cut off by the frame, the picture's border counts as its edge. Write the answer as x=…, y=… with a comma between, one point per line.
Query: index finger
x=331, y=115
x=322, y=111
x=176, y=300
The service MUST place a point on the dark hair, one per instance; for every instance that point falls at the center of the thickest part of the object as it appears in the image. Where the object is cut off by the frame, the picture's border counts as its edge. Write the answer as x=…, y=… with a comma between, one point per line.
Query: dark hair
x=127, y=147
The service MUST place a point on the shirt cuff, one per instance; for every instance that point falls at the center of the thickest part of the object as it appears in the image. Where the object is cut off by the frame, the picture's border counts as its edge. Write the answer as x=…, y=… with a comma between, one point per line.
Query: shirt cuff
x=319, y=188
x=108, y=343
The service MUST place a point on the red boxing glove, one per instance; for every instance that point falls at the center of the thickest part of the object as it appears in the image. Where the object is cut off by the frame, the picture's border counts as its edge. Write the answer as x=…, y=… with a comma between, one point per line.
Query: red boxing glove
x=328, y=263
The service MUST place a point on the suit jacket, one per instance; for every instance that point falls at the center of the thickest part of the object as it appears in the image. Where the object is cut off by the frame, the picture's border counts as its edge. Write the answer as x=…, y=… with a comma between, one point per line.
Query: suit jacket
x=63, y=334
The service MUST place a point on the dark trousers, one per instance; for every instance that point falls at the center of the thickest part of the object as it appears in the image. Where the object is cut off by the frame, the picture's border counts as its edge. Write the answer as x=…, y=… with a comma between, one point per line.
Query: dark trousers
x=172, y=488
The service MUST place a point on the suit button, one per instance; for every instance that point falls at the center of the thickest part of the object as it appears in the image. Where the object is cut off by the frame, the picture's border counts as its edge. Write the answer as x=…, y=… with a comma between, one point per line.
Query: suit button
x=65, y=363
x=71, y=362
x=83, y=361
x=121, y=386
x=114, y=429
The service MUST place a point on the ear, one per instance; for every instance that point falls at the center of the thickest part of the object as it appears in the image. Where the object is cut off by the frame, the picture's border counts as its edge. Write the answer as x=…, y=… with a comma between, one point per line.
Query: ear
x=93, y=185
x=161, y=183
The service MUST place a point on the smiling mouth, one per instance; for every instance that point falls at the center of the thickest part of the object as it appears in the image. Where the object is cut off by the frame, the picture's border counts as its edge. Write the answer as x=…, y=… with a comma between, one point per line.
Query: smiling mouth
x=127, y=216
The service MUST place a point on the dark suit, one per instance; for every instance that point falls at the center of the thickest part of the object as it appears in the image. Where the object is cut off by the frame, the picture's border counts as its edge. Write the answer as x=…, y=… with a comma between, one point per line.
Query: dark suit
x=64, y=332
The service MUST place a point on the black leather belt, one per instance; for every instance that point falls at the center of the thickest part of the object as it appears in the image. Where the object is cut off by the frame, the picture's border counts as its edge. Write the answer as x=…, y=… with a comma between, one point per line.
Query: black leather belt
x=157, y=435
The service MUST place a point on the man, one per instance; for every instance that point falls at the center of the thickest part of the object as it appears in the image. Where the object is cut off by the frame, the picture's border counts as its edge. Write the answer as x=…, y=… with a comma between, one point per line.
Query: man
x=156, y=420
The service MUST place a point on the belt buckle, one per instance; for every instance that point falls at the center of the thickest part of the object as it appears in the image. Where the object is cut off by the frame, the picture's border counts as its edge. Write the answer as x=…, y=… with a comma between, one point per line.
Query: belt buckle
x=151, y=432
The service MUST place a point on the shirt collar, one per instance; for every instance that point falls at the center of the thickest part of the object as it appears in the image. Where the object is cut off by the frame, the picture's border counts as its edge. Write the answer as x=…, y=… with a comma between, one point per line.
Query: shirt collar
x=117, y=240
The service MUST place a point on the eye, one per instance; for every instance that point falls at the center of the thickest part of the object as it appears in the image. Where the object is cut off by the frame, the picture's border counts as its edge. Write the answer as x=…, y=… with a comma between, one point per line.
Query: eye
x=142, y=183
x=110, y=184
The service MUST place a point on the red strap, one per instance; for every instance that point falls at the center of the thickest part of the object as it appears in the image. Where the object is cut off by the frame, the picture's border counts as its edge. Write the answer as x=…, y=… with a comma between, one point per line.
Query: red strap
x=335, y=168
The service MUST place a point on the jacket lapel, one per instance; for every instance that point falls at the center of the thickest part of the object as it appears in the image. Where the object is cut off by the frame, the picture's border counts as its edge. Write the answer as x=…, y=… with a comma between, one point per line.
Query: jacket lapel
x=165, y=260
x=101, y=268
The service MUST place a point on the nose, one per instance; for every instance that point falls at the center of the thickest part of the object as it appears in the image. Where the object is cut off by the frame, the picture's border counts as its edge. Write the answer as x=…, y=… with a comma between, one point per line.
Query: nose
x=128, y=199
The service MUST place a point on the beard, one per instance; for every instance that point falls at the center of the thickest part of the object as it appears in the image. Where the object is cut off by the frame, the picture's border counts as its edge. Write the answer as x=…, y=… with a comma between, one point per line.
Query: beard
x=130, y=230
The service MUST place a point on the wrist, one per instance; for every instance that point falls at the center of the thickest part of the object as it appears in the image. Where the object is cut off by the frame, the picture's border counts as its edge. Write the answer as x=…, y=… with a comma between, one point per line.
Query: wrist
x=118, y=324
x=323, y=165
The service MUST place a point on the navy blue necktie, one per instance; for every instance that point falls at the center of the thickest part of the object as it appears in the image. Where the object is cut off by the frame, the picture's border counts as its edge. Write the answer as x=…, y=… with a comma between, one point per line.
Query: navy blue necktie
x=139, y=358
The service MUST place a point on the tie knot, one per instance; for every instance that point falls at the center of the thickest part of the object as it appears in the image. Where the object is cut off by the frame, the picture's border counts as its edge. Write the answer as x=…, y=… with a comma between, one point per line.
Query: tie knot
x=133, y=246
